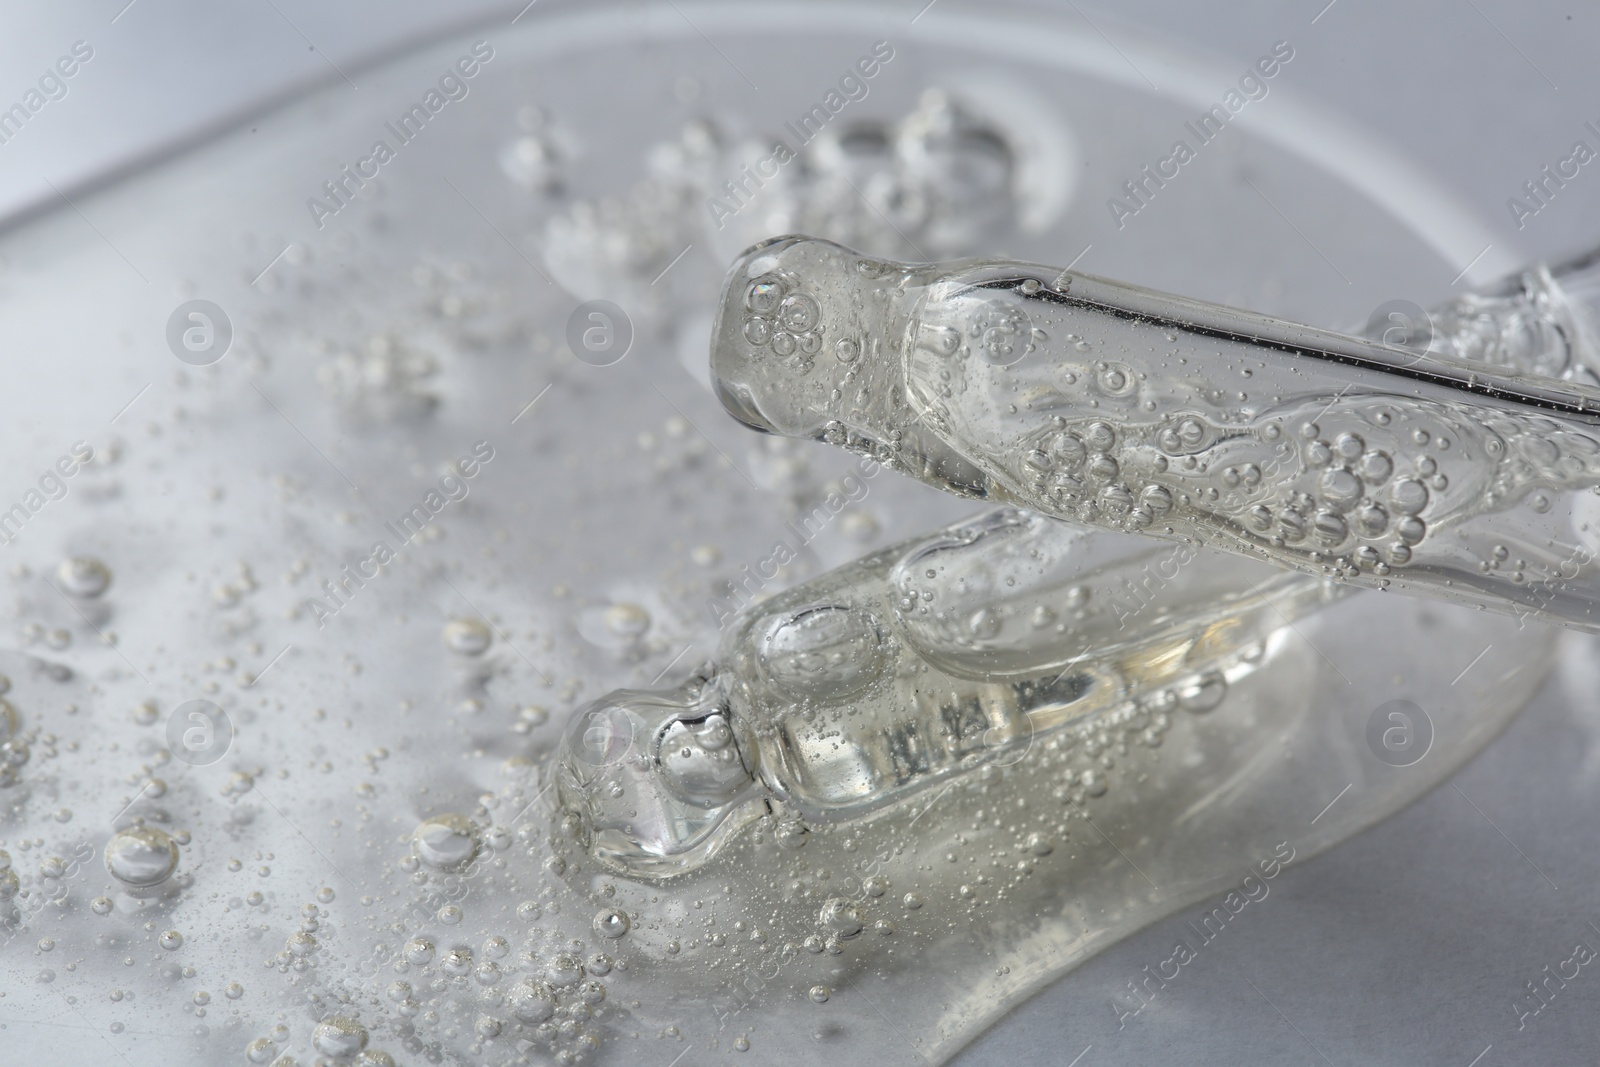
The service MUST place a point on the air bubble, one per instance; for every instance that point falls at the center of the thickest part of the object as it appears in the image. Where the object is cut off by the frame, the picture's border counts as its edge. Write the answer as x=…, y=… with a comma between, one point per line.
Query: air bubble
x=842, y=917
x=1375, y=468
x=141, y=856
x=612, y=923
x=468, y=637
x=1068, y=449
x=340, y=1037
x=1371, y=521
x=532, y=1001
x=1329, y=527
x=763, y=295
x=1411, y=530
x=418, y=952
x=564, y=969
x=445, y=841
x=83, y=576
x=1291, y=524
x=1204, y=693
x=626, y=622
x=1409, y=496
x=798, y=312
x=1339, y=488
x=1103, y=466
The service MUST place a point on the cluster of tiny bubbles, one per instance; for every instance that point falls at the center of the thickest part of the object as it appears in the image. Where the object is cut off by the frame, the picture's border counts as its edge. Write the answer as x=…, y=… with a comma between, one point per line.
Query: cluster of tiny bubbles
x=83, y=576
x=1077, y=465
x=938, y=182
x=620, y=244
x=533, y=159
x=1357, y=493
x=141, y=857
x=467, y=637
x=446, y=841
x=784, y=322
x=885, y=452
x=1000, y=331
x=384, y=378
x=1183, y=434
x=1092, y=748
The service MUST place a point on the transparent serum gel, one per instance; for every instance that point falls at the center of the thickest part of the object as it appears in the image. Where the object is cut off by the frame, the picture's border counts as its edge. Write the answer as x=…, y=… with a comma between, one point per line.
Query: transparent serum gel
x=914, y=666
x=1464, y=471
x=932, y=780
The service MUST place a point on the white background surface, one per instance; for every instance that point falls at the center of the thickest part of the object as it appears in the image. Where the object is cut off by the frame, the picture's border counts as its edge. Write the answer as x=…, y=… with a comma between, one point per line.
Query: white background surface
x=1484, y=93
